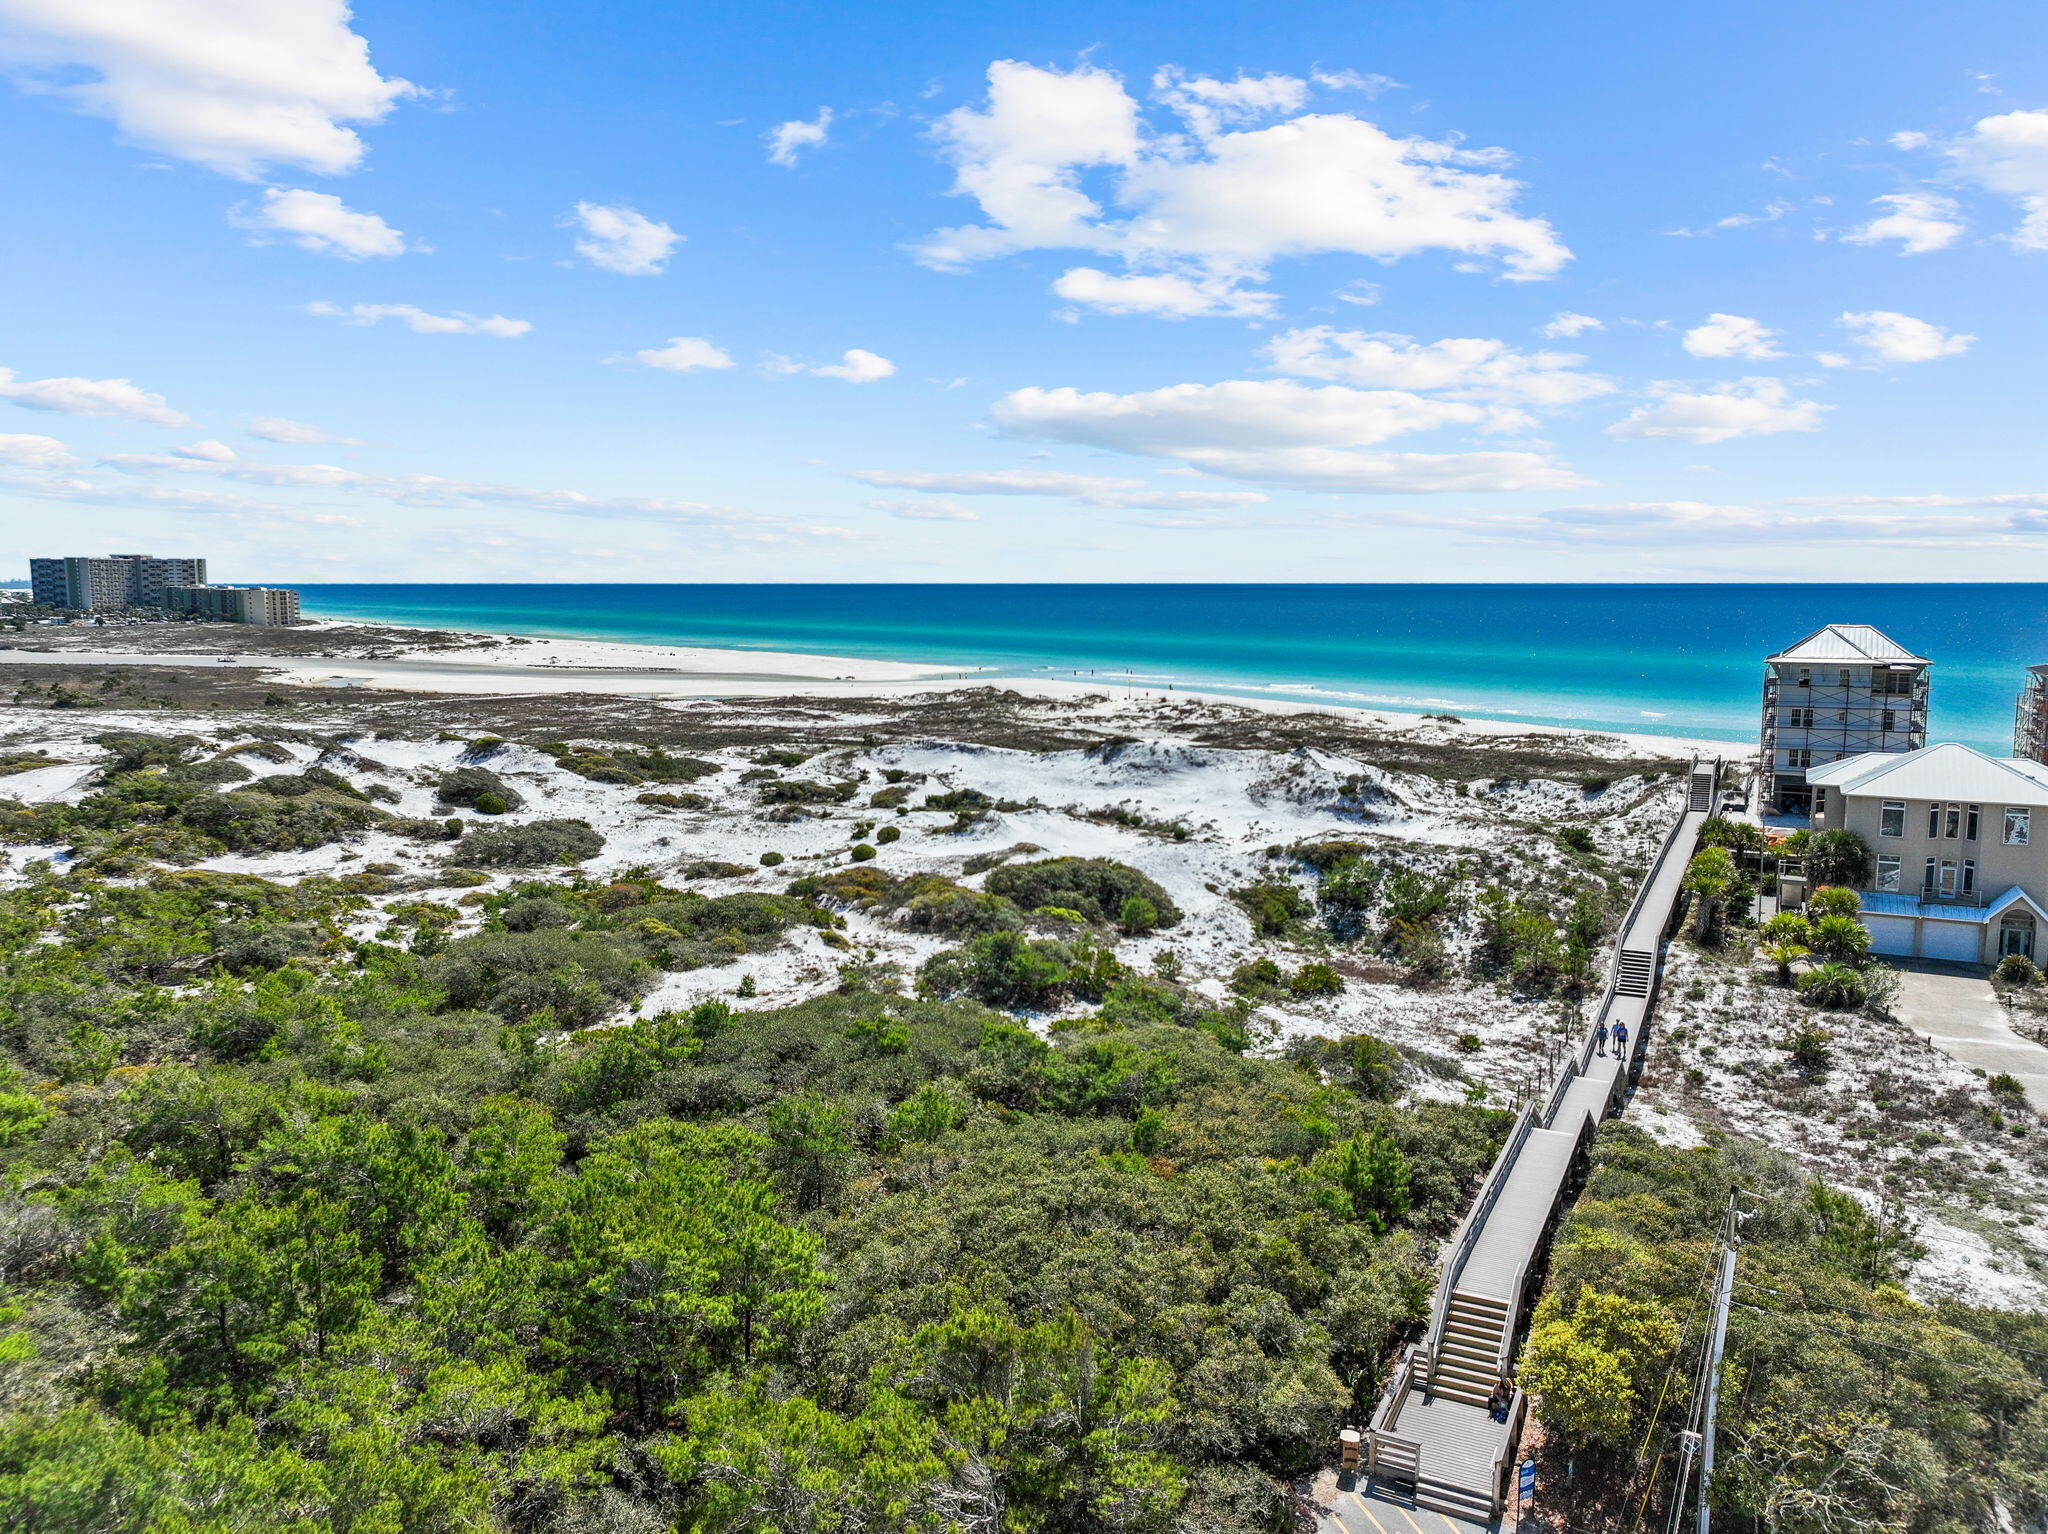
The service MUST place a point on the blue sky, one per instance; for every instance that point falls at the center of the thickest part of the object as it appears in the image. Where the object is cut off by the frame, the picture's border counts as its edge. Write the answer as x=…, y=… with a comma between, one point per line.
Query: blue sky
x=1191, y=292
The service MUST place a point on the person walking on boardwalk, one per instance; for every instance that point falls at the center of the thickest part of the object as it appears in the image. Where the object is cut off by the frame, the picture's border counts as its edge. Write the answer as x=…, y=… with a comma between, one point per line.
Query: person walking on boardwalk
x=1600, y=1035
x=1620, y=1040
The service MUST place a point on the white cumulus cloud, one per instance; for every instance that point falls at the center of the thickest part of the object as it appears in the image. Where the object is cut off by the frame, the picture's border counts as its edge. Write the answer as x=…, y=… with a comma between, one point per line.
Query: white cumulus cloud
x=857, y=366
x=619, y=239
x=1748, y=407
x=25, y=450
x=1283, y=433
x=1167, y=295
x=2008, y=154
x=1208, y=106
x=319, y=222
x=1081, y=489
x=787, y=140
x=1889, y=336
x=207, y=451
x=419, y=320
x=1919, y=221
x=1564, y=325
x=1462, y=368
x=684, y=354
x=1226, y=199
x=275, y=428
x=925, y=511
x=89, y=396
x=228, y=84
x=1730, y=335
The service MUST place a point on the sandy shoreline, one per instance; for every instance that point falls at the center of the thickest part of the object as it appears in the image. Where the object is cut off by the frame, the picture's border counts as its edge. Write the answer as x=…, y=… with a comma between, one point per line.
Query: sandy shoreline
x=508, y=665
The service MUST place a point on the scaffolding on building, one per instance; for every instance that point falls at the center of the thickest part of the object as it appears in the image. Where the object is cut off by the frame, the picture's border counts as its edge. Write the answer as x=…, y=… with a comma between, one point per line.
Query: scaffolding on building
x=1841, y=691
x=2030, y=717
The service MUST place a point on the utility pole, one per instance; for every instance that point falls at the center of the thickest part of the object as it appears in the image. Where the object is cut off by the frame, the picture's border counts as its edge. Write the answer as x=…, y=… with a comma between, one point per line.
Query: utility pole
x=1724, y=1292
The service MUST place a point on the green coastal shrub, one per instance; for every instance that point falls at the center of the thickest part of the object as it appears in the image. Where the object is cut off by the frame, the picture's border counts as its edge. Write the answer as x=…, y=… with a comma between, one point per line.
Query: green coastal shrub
x=1096, y=887
x=665, y=801
x=618, y=764
x=575, y=977
x=477, y=788
x=540, y=843
x=1008, y=969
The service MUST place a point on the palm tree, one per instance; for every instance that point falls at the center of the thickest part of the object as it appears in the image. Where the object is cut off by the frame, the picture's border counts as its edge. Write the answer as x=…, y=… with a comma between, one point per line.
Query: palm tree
x=1784, y=955
x=1708, y=877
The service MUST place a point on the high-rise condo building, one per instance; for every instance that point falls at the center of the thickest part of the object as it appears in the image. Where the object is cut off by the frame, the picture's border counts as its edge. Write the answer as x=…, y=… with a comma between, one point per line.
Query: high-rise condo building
x=89, y=584
x=1841, y=691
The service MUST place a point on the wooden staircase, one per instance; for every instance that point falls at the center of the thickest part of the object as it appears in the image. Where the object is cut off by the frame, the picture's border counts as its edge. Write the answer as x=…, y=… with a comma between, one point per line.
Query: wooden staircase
x=1634, y=970
x=1700, y=798
x=1468, y=1354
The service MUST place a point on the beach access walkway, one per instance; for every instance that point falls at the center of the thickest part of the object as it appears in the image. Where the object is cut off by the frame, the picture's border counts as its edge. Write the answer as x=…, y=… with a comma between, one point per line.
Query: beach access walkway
x=1437, y=1430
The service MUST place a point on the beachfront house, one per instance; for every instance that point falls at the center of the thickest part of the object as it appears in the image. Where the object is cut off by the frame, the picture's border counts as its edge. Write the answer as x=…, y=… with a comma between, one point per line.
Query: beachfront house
x=1844, y=690
x=1960, y=849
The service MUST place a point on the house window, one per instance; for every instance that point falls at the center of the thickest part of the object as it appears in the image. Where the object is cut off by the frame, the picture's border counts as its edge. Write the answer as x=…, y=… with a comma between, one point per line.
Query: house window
x=1805, y=678
x=1969, y=876
x=1798, y=756
x=1934, y=820
x=1890, y=721
x=1948, y=877
x=1970, y=819
x=1888, y=872
x=1927, y=879
x=2016, y=827
x=1952, y=822
x=1799, y=718
x=1845, y=677
x=1891, y=819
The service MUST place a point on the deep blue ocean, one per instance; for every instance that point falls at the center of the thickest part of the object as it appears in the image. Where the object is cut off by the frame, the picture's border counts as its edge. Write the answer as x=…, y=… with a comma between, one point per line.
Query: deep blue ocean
x=1676, y=660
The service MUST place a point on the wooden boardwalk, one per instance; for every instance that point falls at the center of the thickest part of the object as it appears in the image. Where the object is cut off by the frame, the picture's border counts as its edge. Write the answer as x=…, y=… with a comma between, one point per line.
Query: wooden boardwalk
x=1435, y=1429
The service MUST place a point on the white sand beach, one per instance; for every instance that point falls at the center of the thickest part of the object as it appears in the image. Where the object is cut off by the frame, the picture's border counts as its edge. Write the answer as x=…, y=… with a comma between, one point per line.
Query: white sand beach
x=476, y=663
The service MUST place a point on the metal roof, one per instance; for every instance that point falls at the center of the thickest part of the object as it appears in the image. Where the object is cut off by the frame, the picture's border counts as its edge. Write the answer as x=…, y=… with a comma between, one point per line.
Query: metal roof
x=1946, y=771
x=1875, y=904
x=1848, y=641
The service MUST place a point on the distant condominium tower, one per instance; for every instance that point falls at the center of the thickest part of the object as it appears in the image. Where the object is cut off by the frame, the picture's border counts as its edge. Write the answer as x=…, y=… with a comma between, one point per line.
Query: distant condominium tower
x=2030, y=719
x=85, y=583
x=1841, y=691
x=237, y=604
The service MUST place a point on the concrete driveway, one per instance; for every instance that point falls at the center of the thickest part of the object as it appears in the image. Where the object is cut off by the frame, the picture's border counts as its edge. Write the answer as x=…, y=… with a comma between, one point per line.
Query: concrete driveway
x=1951, y=1006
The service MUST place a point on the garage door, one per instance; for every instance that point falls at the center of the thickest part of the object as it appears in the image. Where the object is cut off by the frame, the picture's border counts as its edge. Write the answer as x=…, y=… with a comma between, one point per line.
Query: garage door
x=1890, y=934
x=1958, y=940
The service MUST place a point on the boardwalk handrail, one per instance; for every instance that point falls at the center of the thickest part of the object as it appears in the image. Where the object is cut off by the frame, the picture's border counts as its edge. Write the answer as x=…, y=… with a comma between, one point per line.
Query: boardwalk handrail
x=1418, y=1364
x=1584, y=1062
x=1475, y=1221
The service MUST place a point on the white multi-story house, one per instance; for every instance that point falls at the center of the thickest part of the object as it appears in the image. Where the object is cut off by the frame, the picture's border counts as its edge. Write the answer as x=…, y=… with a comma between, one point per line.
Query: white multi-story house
x=1960, y=849
x=1843, y=690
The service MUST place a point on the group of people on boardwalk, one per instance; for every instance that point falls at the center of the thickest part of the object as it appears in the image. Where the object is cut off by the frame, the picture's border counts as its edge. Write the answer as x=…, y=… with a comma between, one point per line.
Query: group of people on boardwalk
x=1617, y=1032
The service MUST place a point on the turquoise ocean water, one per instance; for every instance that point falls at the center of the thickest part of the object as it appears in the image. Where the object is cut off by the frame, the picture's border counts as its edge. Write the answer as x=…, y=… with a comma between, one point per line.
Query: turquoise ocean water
x=1676, y=660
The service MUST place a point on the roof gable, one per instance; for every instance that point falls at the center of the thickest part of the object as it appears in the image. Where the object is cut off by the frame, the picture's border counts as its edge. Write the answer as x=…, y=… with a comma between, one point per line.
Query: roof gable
x=1946, y=771
x=1848, y=641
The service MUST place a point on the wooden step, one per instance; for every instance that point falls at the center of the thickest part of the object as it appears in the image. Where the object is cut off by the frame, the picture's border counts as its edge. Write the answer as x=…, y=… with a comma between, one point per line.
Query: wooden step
x=1458, y=1501
x=1480, y=1301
